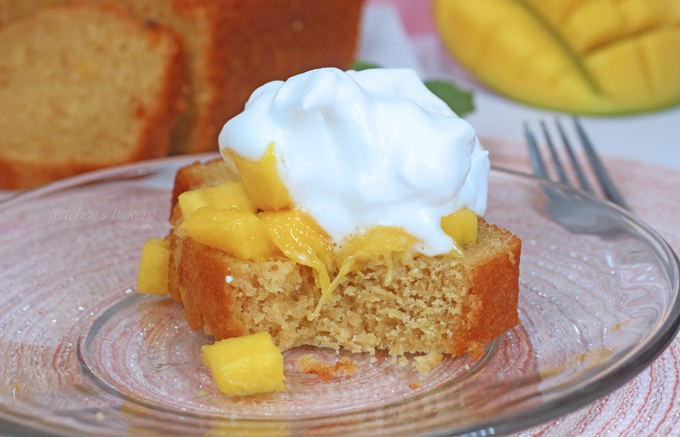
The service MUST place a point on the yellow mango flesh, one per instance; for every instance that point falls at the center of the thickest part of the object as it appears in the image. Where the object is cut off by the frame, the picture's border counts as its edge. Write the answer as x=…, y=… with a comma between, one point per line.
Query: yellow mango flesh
x=245, y=365
x=584, y=56
x=262, y=181
x=153, y=267
x=240, y=233
x=299, y=238
x=379, y=241
x=229, y=195
x=461, y=226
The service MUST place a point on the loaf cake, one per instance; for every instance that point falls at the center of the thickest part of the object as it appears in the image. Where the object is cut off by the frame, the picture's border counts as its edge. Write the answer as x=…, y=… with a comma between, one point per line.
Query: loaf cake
x=85, y=87
x=432, y=305
x=234, y=46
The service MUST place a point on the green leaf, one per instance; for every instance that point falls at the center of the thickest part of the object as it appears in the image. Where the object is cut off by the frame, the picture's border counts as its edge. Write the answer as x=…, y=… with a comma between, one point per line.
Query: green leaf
x=458, y=100
x=358, y=65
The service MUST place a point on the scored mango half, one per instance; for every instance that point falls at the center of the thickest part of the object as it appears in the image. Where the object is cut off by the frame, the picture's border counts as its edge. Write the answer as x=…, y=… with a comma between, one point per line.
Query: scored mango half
x=582, y=56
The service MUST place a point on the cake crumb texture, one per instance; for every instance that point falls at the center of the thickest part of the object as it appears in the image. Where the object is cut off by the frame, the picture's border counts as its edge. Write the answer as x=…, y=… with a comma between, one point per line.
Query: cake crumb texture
x=423, y=364
x=433, y=305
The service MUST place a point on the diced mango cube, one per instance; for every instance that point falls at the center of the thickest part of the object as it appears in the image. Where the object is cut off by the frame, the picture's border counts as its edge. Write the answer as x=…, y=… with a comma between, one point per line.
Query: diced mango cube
x=262, y=181
x=461, y=226
x=153, y=267
x=240, y=233
x=245, y=365
x=227, y=195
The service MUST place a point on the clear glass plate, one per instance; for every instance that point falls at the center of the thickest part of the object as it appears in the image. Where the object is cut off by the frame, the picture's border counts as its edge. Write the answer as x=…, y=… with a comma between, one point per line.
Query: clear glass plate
x=83, y=354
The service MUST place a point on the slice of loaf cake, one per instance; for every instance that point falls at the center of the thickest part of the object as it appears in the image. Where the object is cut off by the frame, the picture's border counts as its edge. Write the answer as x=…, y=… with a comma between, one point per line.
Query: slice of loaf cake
x=234, y=46
x=432, y=305
x=82, y=88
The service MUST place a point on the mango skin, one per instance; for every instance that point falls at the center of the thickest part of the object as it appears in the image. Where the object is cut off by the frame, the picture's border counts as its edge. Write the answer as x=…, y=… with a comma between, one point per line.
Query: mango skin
x=602, y=57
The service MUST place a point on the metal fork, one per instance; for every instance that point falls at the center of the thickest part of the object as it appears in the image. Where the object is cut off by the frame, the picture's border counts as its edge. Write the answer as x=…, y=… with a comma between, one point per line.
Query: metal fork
x=608, y=187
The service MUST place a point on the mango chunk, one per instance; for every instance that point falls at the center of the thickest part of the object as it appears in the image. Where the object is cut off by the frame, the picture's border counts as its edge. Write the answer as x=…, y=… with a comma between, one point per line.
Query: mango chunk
x=298, y=235
x=227, y=195
x=461, y=226
x=581, y=56
x=262, y=181
x=153, y=267
x=301, y=239
x=245, y=365
x=240, y=233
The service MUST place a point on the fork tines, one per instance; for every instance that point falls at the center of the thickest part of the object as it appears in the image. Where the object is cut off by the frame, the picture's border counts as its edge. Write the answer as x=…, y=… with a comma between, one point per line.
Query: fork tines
x=609, y=189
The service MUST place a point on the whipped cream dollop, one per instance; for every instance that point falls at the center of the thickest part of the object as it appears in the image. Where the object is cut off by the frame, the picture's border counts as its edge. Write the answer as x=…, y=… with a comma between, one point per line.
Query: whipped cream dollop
x=360, y=149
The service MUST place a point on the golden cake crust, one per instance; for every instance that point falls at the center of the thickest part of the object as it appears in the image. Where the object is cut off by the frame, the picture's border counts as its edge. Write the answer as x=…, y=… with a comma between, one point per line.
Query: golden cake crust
x=433, y=305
